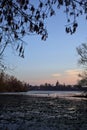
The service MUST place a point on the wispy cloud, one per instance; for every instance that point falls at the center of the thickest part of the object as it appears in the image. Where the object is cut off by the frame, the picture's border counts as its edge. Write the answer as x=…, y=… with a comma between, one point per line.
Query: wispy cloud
x=56, y=75
x=70, y=76
x=72, y=72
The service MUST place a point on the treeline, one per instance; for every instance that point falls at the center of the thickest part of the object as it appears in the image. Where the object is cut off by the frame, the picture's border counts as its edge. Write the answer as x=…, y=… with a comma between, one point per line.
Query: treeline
x=57, y=87
x=11, y=84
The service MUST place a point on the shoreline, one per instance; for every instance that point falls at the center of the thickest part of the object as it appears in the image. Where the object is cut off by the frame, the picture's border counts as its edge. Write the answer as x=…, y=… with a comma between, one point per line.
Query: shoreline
x=78, y=94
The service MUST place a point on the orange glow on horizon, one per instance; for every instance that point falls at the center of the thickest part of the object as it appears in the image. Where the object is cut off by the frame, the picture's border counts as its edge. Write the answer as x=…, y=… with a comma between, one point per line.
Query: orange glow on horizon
x=69, y=77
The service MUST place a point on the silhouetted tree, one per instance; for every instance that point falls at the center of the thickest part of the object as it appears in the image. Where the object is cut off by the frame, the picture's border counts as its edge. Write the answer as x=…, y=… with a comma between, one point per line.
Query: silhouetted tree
x=11, y=84
x=2, y=64
x=83, y=81
x=57, y=83
x=1, y=78
x=21, y=17
x=82, y=52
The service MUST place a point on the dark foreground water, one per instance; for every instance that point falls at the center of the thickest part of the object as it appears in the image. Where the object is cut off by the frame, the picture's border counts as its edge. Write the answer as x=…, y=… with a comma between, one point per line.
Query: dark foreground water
x=24, y=112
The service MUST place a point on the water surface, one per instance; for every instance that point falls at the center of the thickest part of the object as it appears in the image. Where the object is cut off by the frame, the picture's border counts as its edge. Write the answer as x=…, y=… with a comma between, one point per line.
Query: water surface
x=46, y=93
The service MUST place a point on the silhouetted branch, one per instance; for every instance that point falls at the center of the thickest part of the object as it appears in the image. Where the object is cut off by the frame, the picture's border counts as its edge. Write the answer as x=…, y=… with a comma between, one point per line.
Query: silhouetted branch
x=23, y=17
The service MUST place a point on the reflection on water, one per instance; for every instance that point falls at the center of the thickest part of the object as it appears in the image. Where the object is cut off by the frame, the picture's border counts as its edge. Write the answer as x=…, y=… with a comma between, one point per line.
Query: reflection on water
x=47, y=93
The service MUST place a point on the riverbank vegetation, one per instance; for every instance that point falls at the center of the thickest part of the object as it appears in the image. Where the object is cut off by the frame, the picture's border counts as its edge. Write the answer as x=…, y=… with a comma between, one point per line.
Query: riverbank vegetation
x=11, y=84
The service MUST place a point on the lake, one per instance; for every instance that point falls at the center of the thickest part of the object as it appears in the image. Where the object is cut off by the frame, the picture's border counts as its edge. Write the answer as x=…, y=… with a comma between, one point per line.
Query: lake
x=53, y=93
x=45, y=93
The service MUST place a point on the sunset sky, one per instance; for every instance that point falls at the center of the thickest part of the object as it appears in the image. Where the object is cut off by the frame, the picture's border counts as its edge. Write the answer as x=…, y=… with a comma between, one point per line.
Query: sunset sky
x=53, y=59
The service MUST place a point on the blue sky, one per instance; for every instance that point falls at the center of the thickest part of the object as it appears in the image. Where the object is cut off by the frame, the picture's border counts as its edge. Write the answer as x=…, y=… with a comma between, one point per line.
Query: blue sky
x=50, y=60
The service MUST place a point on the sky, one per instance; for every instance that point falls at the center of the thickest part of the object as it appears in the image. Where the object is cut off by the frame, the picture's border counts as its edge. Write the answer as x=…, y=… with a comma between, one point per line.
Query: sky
x=50, y=60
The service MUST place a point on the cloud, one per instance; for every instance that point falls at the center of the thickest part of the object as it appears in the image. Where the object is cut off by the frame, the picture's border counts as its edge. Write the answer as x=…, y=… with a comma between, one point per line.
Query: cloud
x=73, y=72
x=69, y=76
x=56, y=75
